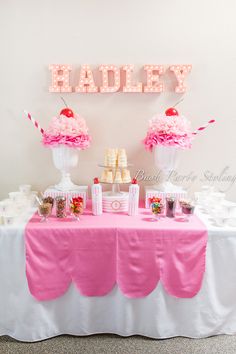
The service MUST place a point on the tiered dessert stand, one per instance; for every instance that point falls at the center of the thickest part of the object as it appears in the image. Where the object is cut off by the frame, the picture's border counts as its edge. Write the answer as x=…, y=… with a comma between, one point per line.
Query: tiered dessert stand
x=115, y=200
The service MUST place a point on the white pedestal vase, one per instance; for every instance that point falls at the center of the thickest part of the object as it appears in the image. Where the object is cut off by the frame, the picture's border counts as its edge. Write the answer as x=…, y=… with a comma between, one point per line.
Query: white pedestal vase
x=166, y=159
x=65, y=158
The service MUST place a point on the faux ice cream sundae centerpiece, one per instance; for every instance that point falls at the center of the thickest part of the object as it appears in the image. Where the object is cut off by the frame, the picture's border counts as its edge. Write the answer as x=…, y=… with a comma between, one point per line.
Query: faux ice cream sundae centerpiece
x=66, y=135
x=167, y=133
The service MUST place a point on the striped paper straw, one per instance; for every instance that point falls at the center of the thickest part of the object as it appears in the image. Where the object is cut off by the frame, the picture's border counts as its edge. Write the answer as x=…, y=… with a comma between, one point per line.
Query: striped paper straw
x=203, y=127
x=36, y=124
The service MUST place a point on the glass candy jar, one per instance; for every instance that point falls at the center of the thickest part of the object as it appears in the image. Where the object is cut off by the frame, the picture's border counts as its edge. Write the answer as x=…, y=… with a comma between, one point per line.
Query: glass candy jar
x=76, y=207
x=170, y=207
x=60, y=207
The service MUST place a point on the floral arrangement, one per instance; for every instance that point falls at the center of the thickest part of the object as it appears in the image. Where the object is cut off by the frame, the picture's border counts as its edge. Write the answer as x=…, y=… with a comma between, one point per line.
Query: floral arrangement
x=169, y=131
x=69, y=131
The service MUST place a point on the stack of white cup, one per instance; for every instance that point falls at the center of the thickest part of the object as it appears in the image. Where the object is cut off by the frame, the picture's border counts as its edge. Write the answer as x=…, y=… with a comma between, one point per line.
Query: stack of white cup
x=213, y=203
x=19, y=203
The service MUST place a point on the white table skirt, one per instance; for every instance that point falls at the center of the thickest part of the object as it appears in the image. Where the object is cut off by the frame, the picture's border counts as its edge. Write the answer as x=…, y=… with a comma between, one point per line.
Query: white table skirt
x=212, y=311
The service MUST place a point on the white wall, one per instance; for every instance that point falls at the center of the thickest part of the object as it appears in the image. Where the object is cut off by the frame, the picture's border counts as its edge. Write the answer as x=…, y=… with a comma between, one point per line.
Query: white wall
x=34, y=34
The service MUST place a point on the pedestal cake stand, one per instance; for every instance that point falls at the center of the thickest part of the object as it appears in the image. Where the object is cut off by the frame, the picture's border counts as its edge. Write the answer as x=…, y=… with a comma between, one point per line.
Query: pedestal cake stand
x=115, y=200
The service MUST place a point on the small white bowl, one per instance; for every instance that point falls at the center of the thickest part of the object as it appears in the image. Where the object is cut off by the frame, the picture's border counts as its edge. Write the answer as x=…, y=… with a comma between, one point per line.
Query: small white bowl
x=217, y=197
x=231, y=221
x=207, y=189
x=219, y=221
x=9, y=219
x=231, y=208
x=15, y=196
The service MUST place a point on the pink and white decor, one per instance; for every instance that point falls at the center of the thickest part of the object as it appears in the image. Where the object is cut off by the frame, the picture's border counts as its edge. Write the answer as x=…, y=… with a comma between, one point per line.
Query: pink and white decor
x=65, y=159
x=133, y=198
x=96, y=192
x=115, y=249
x=115, y=202
x=66, y=135
x=157, y=315
x=111, y=78
x=167, y=134
x=65, y=130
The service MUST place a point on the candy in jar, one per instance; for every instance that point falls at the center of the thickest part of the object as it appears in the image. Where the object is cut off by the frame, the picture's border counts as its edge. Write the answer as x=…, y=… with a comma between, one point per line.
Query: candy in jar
x=44, y=210
x=49, y=200
x=170, y=207
x=60, y=207
x=77, y=207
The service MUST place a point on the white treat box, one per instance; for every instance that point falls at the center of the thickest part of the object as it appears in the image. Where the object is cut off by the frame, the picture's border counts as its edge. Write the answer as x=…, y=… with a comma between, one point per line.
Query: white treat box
x=150, y=192
x=115, y=203
x=81, y=191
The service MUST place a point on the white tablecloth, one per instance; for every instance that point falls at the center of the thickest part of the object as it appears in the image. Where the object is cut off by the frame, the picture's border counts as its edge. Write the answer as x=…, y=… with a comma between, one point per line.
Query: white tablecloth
x=212, y=311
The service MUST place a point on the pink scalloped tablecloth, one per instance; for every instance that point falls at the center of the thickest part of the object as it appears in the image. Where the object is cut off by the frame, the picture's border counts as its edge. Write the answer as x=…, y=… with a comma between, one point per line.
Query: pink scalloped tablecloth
x=101, y=251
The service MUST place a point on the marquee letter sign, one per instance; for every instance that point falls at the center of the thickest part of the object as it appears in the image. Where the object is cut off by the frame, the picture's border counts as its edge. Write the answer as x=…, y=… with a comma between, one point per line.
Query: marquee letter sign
x=129, y=87
x=112, y=70
x=180, y=71
x=153, y=73
x=86, y=81
x=60, y=78
x=110, y=78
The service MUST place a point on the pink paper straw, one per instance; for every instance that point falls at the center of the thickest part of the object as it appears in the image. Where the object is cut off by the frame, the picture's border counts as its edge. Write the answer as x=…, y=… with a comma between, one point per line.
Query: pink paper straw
x=36, y=124
x=203, y=127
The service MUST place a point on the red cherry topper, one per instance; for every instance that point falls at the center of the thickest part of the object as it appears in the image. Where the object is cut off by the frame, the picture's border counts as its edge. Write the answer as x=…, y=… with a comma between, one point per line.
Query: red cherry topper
x=96, y=180
x=134, y=181
x=171, y=112
x=67, y=112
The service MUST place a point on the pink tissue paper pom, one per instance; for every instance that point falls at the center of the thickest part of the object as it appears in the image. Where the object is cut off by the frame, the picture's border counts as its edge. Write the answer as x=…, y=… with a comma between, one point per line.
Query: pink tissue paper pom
x=72, y=132
x=169, y=131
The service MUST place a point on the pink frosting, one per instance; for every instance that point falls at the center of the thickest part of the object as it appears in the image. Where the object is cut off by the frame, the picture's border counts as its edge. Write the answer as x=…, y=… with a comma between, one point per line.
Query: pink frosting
x=168, y=131
x=72, y=132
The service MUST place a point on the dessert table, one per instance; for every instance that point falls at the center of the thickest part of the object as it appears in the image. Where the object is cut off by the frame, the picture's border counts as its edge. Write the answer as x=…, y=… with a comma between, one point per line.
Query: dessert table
x=158, y=314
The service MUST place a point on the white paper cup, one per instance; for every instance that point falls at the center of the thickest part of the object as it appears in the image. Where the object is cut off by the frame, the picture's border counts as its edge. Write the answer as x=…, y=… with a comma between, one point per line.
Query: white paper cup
x=20, y=207
x=5, y=206
x=25, y=188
